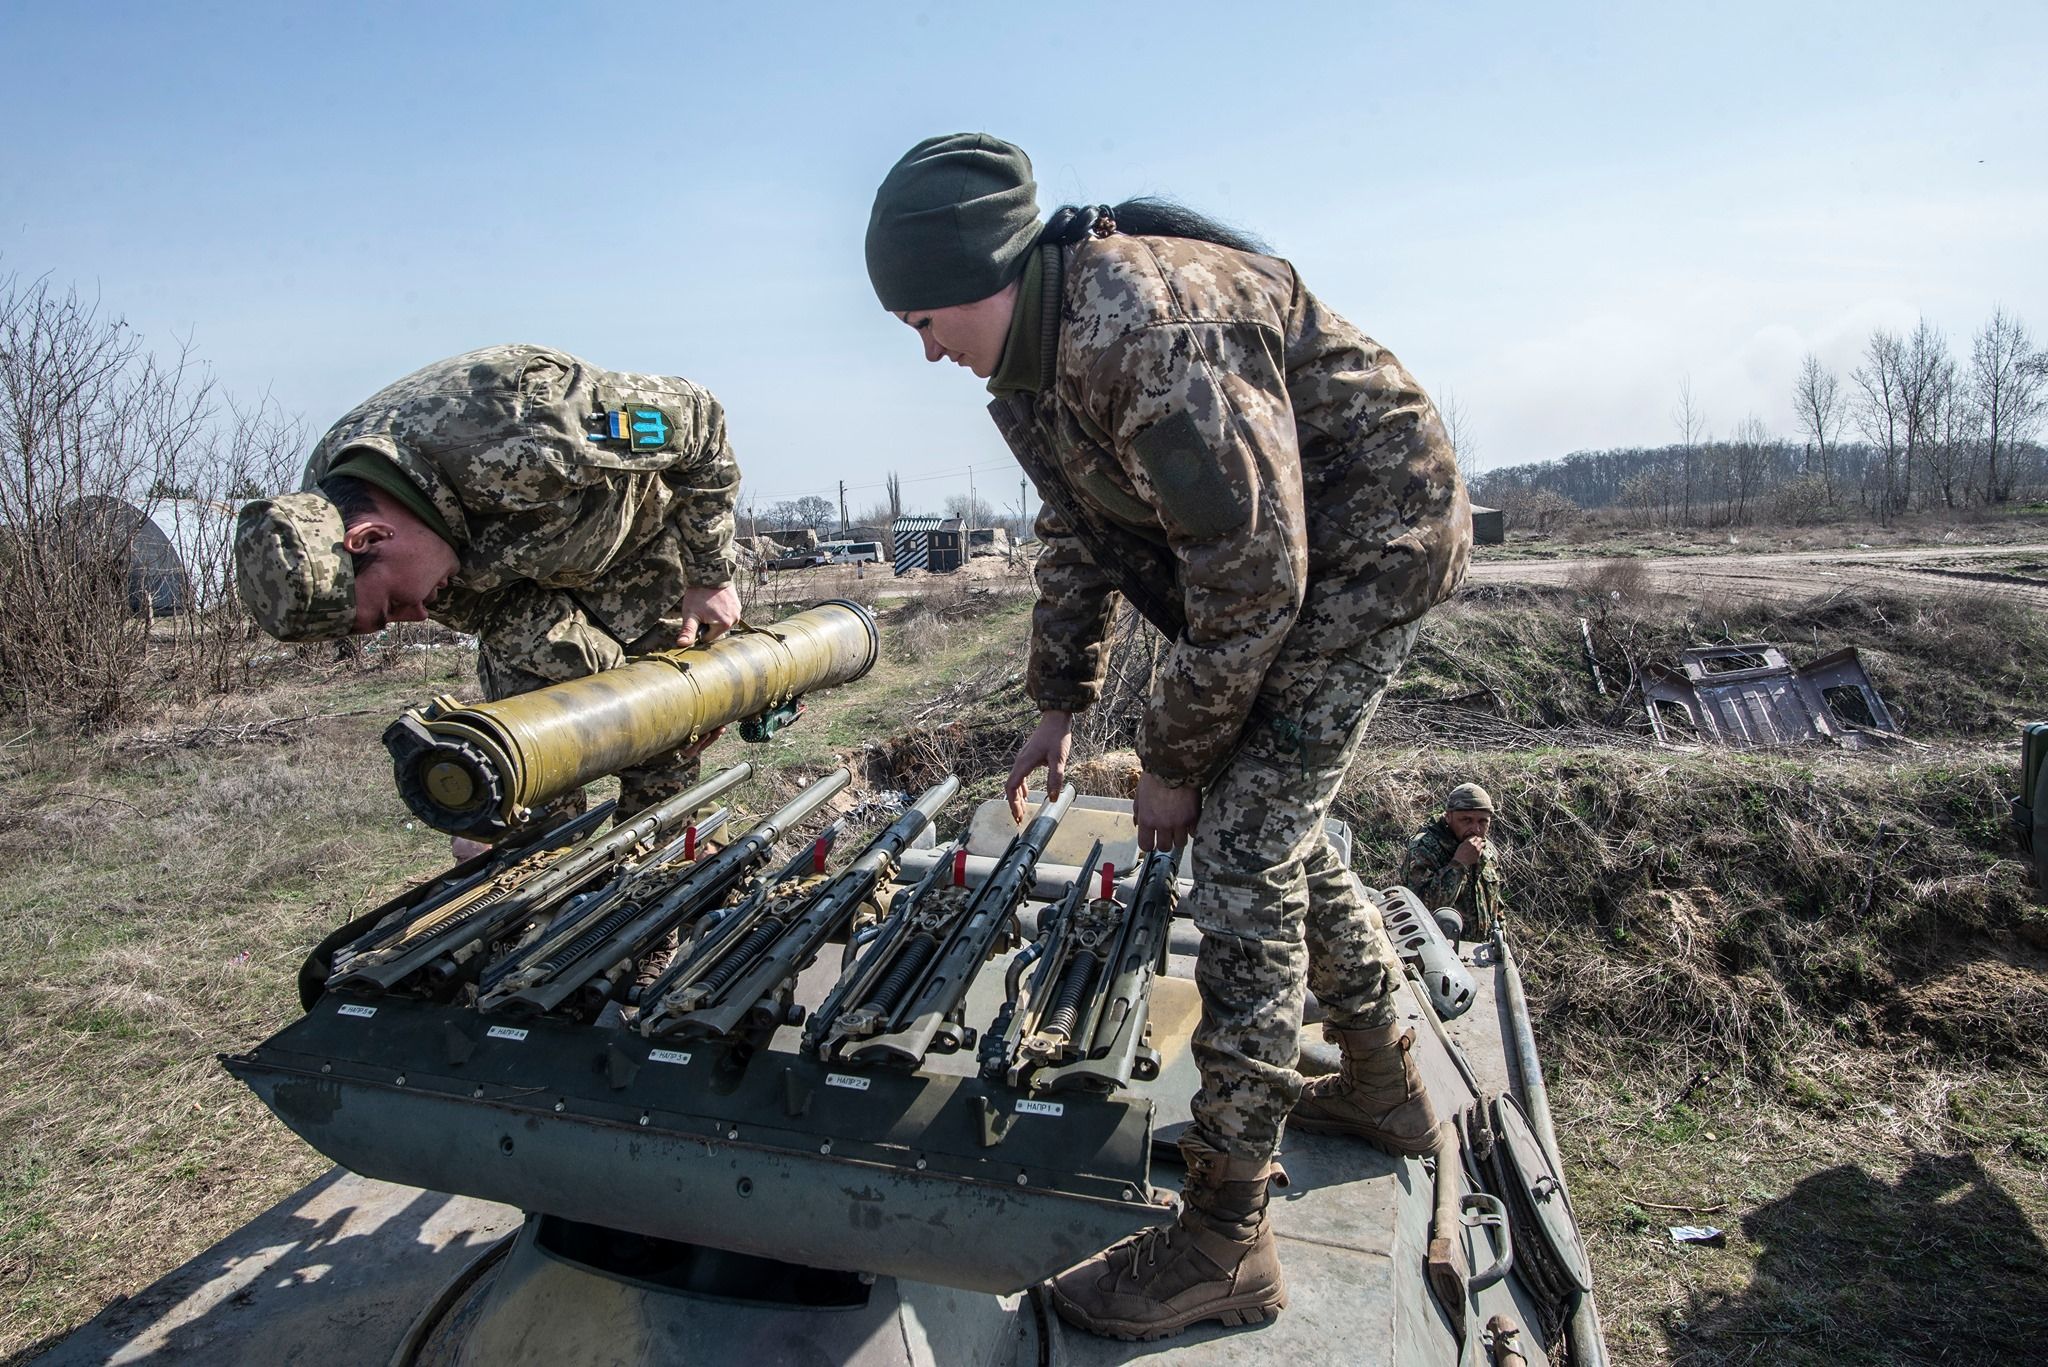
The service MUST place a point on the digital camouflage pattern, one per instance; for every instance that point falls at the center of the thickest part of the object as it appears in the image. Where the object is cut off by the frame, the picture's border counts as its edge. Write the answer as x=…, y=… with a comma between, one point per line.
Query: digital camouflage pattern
x=1441, y=881
x=291, y=569
x=1247, y=467
x=575, y=547
x=509, y=445
x=1279, y=497
x=1274, y=903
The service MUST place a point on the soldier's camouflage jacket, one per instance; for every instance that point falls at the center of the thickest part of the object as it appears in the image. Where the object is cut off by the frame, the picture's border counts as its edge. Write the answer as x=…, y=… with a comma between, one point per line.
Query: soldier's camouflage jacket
x=517, y=450
x=1441, y=881
x=1241, y=463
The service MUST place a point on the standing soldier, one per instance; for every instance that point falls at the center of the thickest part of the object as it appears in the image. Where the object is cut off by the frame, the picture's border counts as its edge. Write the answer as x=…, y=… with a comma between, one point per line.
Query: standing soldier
x=1450, y=864
x=1277, y=495
x=570, y=516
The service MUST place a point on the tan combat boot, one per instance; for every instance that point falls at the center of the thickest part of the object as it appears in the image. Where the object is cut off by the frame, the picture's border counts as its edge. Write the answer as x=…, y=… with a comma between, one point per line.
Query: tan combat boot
x=1377, y=1095
x=1217, y=1262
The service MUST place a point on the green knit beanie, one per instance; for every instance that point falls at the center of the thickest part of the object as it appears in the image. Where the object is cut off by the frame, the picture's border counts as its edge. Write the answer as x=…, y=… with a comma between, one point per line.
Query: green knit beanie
x=952, y=223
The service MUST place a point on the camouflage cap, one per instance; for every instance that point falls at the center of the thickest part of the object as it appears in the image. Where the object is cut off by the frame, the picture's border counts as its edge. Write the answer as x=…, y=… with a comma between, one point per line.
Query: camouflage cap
x=294, y=576
x=1469, y=797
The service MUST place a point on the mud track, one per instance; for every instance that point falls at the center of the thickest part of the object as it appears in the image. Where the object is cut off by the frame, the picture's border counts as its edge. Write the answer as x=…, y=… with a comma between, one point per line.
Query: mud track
x=1927, y=570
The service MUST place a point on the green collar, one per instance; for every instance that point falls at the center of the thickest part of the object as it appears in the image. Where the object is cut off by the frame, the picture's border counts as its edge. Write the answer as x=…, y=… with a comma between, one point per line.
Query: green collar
x=1033, y=342
x=373, y=467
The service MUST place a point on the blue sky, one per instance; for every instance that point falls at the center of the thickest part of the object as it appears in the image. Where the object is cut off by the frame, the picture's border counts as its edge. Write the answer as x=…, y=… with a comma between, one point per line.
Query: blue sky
x=1552, y=212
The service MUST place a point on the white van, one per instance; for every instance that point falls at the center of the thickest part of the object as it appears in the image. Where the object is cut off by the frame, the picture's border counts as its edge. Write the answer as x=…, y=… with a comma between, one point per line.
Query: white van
x=849, y=552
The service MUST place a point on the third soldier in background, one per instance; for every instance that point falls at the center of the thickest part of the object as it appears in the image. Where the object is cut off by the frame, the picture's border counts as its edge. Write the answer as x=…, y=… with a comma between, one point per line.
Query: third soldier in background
x=1450, y=862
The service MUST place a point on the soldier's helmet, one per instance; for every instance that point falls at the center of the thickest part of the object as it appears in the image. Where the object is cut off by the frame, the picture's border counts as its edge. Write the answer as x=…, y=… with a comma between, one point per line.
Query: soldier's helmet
x=1469, y=797
x=291, y=568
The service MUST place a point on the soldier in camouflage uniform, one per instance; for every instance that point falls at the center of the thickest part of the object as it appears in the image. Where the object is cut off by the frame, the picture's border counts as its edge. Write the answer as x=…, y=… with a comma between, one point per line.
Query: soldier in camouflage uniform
x=568, y=515
x=1275, y=493
x=1450, y=863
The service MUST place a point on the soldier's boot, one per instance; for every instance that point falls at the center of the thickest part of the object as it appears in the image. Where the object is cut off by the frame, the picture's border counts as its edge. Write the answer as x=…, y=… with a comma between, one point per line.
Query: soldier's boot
x=1376, y=1095
x=1218, y=1261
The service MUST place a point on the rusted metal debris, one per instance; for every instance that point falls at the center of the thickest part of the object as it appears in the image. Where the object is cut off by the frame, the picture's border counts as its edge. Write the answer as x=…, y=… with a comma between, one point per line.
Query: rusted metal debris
x=1750, y=695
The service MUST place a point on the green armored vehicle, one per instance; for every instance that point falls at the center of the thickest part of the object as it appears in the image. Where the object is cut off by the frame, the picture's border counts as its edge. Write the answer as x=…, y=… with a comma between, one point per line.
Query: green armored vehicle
x=677, y=1093
x=2030, y=808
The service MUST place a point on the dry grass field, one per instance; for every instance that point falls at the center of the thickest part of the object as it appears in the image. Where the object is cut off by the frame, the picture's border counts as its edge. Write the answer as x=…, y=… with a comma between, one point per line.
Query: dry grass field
x=1798, y=996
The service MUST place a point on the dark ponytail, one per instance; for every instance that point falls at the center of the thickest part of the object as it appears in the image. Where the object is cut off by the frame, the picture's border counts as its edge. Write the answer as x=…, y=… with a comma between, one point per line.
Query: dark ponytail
x=1146, y=216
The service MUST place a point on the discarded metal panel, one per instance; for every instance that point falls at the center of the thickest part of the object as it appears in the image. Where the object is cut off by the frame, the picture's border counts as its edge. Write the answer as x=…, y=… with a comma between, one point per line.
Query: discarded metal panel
x=1750, y=695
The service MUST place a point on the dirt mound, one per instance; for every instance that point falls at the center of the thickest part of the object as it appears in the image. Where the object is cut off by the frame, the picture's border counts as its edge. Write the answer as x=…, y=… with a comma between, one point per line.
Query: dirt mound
x=1720, y=905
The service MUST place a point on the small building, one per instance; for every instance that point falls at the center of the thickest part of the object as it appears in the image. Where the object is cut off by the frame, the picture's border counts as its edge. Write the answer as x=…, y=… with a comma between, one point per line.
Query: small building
x=910, y=542
x=1489, y=526
x=174, y=557
x=937, y=544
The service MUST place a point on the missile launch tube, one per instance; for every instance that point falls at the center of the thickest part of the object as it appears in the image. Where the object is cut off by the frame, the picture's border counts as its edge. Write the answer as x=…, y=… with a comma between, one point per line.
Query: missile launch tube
x=481, y=768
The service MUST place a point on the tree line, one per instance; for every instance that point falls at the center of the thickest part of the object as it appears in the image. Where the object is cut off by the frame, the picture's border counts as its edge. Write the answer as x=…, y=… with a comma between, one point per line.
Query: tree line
x=1912, y=426
x=814, y=512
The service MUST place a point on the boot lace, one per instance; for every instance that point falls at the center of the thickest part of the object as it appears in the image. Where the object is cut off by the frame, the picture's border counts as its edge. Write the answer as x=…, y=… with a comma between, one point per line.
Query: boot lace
x=1144, y=1252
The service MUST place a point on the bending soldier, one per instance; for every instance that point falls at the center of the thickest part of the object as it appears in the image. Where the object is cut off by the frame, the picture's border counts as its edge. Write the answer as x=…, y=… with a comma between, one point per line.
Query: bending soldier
x=1275, y=493
x=1450, y=862
x=568, y=515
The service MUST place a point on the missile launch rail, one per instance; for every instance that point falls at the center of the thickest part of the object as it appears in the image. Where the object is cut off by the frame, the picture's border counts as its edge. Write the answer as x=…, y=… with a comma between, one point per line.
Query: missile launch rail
x=955, y=1064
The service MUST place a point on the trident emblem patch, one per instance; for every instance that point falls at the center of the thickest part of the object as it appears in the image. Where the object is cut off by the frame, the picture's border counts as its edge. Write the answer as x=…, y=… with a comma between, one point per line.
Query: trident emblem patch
x=642, y=428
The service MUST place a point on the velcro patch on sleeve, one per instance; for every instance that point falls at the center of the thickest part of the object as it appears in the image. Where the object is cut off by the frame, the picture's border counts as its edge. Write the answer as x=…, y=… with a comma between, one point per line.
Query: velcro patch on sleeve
x=1195, y=492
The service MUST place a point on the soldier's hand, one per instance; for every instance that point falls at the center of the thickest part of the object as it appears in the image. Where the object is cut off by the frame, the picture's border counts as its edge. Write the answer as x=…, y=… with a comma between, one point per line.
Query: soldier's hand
x=702, y=743
x=708, y=612
x=462, y=847
x=1047, y=747
x=1166, y=816
x=1470, y=851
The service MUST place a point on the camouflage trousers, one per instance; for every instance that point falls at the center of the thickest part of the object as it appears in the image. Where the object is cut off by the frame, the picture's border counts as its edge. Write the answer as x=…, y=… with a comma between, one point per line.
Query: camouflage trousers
x=533, y=637
x=1275, y=905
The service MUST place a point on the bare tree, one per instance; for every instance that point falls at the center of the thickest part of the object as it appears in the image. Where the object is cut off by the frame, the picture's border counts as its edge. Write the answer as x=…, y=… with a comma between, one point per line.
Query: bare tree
x=1949, y=446
x=90, y=425
x=812, y=511
x=1458, y=425
x=1928, y=381
x=1692, y=427
x=975, y=511
x=893, y=483
x=2008, y=387
x=1749, y=455
x=118, y=479
x=1881, y=411
x=1818, y=399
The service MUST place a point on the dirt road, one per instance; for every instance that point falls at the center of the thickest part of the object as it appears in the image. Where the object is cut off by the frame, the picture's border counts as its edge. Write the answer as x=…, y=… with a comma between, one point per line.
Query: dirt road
x=2019, y=572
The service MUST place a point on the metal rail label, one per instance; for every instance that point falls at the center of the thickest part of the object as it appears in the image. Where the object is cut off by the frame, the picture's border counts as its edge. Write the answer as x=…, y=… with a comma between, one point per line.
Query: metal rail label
x=1040, y=1108
x=506, y=1032
x=858, y=1084
x=666, y=1056
x=360, y=1012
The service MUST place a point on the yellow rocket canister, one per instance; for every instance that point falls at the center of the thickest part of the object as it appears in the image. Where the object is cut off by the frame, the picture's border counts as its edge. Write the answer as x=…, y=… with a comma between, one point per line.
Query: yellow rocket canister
x=481, y=768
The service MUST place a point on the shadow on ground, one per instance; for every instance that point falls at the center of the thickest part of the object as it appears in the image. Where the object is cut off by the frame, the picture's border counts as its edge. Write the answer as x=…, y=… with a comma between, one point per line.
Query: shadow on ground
x=334, y=1273
x=1939, y=1267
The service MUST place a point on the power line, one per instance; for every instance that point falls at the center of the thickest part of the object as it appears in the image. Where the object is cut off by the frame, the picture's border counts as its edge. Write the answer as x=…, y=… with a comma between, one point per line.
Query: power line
x=830, y=491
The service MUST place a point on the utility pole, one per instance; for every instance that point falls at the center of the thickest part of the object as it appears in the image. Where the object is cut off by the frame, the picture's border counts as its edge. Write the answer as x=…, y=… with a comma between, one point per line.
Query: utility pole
x=842, y=510
x=1023, y=510
x=969, y=520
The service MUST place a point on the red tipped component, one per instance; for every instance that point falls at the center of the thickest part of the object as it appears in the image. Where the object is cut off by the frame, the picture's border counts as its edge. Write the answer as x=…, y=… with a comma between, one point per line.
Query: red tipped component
x=690, y=842
x=1109, y=880
x=818, y=852
x=960, y=868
